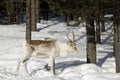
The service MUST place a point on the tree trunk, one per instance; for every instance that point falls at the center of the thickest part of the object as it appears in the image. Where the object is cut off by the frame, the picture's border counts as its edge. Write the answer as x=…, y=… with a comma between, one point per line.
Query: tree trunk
x=117, y=42
x=17, y=12
x=91, y=44
x=9, y=18
x=98, y=31
x=102, y=17
x=115, y=36
x=67, y=20
x=37, y=11
x=33, y=15
x=103, y=23
x=9, y=11
x=117, y=56
x=102, y=26
x=28, y=21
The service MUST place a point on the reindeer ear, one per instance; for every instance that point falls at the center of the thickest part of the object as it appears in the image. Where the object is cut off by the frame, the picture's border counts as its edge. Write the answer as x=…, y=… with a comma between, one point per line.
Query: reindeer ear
x=73, y=35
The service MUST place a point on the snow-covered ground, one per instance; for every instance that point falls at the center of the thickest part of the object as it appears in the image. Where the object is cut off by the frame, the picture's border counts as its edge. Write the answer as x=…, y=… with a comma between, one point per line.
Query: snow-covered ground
x=71, y=67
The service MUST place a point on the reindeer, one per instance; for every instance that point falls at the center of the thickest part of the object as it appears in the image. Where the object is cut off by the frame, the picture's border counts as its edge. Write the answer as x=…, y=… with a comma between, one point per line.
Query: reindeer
x=43, y=48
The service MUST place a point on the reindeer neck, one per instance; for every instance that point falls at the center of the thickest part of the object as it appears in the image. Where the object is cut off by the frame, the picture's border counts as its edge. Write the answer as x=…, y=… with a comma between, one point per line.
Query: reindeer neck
x=64, y=49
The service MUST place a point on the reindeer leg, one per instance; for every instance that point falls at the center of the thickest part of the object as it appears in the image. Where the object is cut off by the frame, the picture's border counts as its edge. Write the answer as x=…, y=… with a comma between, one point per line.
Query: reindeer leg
x=52, y=61
x=18, y=66
x=25, y=65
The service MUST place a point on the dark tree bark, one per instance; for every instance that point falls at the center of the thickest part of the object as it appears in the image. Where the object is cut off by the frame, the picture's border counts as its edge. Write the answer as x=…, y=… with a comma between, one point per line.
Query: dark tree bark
x=28, y=20
x=38, y=11
x=9, y=18
x=91, y=44
x=98, y=31
x=17, y=11
x=102, y=26
x=67, y=20
x=102, y=23
x=115, y=35
x=117, y=41
x=33, y=15
x=9, y=8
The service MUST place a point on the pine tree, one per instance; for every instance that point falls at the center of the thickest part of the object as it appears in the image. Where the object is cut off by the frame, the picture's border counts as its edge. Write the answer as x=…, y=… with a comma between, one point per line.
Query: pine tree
x=67, y=7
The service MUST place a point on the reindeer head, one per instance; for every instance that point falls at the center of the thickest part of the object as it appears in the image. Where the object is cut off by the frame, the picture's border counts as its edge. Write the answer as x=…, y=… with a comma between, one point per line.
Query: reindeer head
x=72, y=44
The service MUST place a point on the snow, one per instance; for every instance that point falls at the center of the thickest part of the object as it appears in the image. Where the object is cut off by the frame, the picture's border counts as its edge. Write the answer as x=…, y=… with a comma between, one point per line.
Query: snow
x=71, y=67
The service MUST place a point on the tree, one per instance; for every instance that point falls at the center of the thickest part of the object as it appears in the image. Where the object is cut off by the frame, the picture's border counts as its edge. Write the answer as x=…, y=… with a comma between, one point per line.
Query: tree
x=3, y=12
x=116, y=22
x=98, y=30
x=19, y=10
x=117, y=42
x=113, y=6
x=28, y=20
x=102, y=14
x=102, y=21
x=9, y=6
x=67, y=20
x=67, y=7
x=33, y=15
x=97, y=14
x=91, y=44
x=89, y=15
x=38, y=11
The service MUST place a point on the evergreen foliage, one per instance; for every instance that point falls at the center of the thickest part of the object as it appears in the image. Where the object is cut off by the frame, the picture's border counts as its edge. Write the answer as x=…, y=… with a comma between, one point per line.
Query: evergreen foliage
x=66, y=7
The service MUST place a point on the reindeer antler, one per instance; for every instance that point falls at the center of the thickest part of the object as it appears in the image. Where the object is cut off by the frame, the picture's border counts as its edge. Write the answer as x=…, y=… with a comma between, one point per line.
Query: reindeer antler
x=68, y=36
x=73, y=35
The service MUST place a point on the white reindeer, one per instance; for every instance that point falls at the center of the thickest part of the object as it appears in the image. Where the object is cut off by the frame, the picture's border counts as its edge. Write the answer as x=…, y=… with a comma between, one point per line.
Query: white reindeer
x=51, y=48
